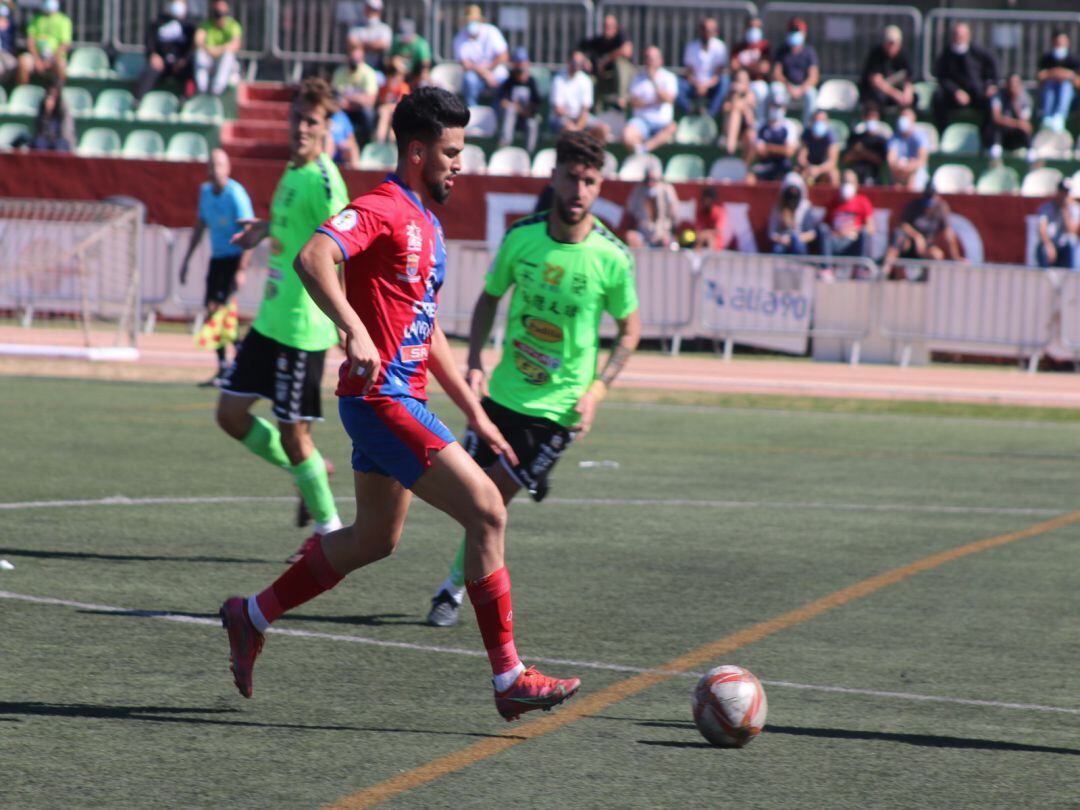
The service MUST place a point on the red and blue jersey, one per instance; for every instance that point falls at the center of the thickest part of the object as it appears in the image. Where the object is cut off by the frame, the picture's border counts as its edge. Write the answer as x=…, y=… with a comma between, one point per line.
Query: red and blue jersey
x=395, y=261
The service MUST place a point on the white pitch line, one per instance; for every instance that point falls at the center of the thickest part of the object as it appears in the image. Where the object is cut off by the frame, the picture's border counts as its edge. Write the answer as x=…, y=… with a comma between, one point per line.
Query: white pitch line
x=432, y=648
x=929, y=509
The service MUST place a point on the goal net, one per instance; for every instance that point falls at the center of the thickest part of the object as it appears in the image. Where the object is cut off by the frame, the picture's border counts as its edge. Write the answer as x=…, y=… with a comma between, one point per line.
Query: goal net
x=69, y=278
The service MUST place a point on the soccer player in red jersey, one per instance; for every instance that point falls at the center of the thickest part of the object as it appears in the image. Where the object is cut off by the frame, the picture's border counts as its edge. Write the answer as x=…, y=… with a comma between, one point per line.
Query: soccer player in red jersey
x=395, y=257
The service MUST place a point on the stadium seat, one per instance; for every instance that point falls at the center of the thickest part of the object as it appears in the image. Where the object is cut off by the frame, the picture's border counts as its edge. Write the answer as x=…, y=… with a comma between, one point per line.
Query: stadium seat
x=378, y=156
x=728, y=169
x=1042, y=182
x=473, y=159
x=696, y=130
x=930, y=133
x=543, y=163
x=98, y=142
x=189, y=146
x=158, y=105
x=615, y=120
x=611, y=166
x=483, y=123
x=681, y=168
x=840, y=95
x=448, y=76
x=129, y=65
x=635, y=166
x=1075, y=180
x=797, y=124
x=961, y=139
x=998, y=180
x=9, y=133
x=3, y=97
x=143, y=144
x=78, y=100
x=509, y=160
x=204, y=109
x=954, y=178
x=1050, y=145
x=114, y=103
x=542, y=75
x=25, y=100
x=840, y=131
x=924, y=94
x=89, y=62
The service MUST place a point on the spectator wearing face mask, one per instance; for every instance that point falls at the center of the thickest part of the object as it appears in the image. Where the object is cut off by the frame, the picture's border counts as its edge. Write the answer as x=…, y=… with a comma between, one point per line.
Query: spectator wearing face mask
x=652, y=94
x=572, y=100
x=8, y=61
x=740, y=115
x=357, y=86
x=482, y=51
x=967, y=77
x=609, y=57
x=706, y=61
x=376, y=35
x=1058, y=74
x=796, y=69
x=818, y=158
x=774, y=149
x=752, y=54
x=867, y=146
x=849, y=221
x=415, y=50
x=217, y=42
x=651, y=211
x=791, y=229
x=1059, y=230
x=886, y=76
x=169, y=47
x=908, y=153
x=518, y=102
x=48, y=40
x=1008, y=126
x=924, y=225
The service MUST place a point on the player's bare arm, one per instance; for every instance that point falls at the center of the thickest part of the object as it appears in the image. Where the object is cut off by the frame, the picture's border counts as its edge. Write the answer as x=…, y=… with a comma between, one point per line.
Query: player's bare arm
x=483, y=318
x=254, y=231
x=626, y=341
x=196, y=237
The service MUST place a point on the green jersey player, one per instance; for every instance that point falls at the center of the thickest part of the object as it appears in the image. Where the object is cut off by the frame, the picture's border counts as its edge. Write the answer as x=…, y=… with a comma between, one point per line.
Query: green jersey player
x=566, y=269
x=281, y=358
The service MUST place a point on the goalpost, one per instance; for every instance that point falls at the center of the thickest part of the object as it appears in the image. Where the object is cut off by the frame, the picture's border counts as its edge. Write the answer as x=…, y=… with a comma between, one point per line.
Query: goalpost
x=69, y=278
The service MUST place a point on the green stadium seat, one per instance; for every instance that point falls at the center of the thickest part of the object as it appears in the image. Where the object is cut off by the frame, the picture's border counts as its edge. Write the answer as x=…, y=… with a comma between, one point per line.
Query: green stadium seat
x=542, y=75
x=78, y=100
x=696, y=130
x=840, y=95
x=615, y=121
x=9, y=133
x=930, y=133
x=543, y=162
x=129, y=65
x=1041, y=182
x=635, y=166
x=683, y=167
x=611, y=166
x=3, y=97
x=449, y=76
x=483, y=122
x=797, y=125
x=1050, y=145
x=158, y=105
x=114, y=103
x=509, y=160
x=998, y=180
x=89, y=62
x=189, y=146
x=203, y=108
x=924, y=93
x=840, y=131
x=473, y=159
x=954, y=178
x=961, y=139
x=98, y=142
x=25, y=100
x=144, y=144
x=728, y=169
x=378, y=156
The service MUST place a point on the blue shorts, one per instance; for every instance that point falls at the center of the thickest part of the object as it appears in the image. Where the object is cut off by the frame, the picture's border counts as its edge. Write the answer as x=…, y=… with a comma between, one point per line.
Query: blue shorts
x=393, y=436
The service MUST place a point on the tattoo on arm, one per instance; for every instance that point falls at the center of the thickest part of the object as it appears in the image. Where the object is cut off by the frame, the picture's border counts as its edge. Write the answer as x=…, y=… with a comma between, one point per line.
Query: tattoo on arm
x=619, y=355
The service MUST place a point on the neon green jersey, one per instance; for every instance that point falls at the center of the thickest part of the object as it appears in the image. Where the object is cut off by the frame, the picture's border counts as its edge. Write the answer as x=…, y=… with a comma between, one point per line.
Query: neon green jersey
x=304, y=199
x=560, y=292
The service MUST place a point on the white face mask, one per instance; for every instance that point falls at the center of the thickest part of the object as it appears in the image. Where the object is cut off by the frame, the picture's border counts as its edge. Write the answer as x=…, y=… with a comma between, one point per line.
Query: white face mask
x=473, y=28
x=819, y=129
x=1060, y=53
x=903, y=123
x=753, y=35
x=959, y=50
x=847, y=191
x=776, y=114
x=178, y=10
x=50, y=6
x=871, y=125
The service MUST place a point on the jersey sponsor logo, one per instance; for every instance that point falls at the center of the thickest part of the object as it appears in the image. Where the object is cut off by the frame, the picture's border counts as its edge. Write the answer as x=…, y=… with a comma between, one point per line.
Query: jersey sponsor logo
x=414, y=354
x=419, y=330
x=414, y=238
x=345, y=221
x=534, y=374
x=537, y=356
x=542, y=330
x=429, y=308
x=275, y=246
x=553, y=274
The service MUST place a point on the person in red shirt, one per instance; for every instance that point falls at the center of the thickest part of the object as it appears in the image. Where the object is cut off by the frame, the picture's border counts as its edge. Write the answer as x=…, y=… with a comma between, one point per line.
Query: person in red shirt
x=710, y=224
x=752, y=54
x=849, y=222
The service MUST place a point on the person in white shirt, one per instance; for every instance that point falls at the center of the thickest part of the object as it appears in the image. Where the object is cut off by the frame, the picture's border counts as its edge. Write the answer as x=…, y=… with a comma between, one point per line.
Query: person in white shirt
x=375, y=34
x=572, y=100
x=481, y=49
x=707, y=79
x=652, y=93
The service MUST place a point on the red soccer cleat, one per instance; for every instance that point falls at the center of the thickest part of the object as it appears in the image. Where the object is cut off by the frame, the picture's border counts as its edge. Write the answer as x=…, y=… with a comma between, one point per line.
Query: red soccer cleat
x=534, y=690
x=305, y=547
x=245, y=642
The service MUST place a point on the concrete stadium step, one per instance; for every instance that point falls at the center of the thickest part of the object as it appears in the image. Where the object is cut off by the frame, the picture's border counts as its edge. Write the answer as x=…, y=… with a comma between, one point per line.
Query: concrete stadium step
x=262, y=111
x=253, y=149
x=264, y=91
x=270, y=131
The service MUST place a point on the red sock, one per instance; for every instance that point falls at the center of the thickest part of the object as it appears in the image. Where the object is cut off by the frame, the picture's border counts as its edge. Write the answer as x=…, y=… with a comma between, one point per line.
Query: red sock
x=490, y=597
x=303, y=581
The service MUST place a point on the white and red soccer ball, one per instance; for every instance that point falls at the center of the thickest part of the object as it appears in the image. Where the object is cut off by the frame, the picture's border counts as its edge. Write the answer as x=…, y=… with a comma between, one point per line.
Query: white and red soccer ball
x=729, y=706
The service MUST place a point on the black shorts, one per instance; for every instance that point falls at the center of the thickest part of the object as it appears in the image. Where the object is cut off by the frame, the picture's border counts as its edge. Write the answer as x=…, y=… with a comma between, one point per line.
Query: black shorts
x=538, y=442
x=221, y=279
x=288, y=377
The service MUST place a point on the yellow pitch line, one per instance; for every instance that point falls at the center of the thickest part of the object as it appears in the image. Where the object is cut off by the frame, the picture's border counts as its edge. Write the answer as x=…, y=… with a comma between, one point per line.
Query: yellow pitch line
x=591, y=704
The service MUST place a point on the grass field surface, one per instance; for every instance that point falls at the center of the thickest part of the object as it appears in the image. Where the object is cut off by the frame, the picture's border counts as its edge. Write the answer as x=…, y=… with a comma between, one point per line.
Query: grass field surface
x=128, y=517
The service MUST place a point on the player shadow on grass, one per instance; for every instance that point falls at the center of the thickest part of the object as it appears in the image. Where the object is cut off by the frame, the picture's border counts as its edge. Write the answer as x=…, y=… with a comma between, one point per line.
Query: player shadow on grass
x=373, y=620
x=87, y=555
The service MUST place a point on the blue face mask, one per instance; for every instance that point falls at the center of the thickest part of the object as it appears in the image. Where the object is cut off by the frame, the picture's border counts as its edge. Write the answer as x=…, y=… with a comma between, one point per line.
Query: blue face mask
x=50, y=6
x=776, y=114
x=473, y=28
x=795, y=39
x=1060, y=53
x=819, y=129
x=753, y=35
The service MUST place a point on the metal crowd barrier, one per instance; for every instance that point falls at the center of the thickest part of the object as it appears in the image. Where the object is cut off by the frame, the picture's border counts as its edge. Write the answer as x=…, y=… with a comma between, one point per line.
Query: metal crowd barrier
x=315, y=31
x=843, y=34
x=89, y=21
x=131, y=21
x=1069, y=292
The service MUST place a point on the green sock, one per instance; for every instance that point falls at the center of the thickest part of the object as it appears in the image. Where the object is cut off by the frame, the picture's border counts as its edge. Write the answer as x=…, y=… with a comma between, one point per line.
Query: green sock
x=264, y=440
x=314, y=485
x=457, y=568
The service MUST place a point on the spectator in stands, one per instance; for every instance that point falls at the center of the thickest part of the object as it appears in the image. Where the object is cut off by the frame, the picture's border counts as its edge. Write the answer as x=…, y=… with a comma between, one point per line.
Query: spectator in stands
x=796, y=69
x=54, y=130
x=792, y=229
x=217, y=42
x=740, y=114
x=1059, y=230
x=652, y=211
x=1059, y=72
x=908, y=153
x=1009, y=123
x=169, y=43
x=849, y=221
x=48, y=41
x=572, y=100
x=710, y=225
x=519, y=102
x=356, y=84
x=924, y=223
x=482, y=51
x=394, y=89
x=652, y=94
x=9, y=62
x=415, y=50
x=867, y=146
x=818, y=158
x=341, y=142
x=610, y=54
x=706, y=61
x=886, y=75
x=752, y=54
x=967, y=77
x=376, y=35
x=774, y=148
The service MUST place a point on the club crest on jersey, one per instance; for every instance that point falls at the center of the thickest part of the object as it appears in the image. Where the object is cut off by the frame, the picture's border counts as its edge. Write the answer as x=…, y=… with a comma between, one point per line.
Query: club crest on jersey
x=414, y=238
x=412, y=270
x=345, y=221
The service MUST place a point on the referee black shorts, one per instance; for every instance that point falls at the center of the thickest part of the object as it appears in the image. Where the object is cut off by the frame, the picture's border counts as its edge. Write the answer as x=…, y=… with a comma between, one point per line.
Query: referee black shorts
x=221, y=279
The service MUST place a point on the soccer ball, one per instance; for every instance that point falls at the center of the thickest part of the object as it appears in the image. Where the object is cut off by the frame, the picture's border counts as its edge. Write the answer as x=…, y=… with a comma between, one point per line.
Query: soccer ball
x=729, y=706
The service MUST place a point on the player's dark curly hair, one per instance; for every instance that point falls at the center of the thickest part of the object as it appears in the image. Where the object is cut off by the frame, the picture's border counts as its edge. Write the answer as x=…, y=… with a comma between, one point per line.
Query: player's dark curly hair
x=579, y=147
x=425, y=113
x=316, y=92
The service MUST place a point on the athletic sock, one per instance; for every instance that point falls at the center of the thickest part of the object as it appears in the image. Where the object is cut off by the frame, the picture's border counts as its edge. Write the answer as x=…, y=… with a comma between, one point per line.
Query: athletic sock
x=221, y=364
x=494, y=608
x=331, y=525
x=455, y=582
x=301, y=582
x=314, y=484
x=264, y=440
